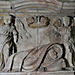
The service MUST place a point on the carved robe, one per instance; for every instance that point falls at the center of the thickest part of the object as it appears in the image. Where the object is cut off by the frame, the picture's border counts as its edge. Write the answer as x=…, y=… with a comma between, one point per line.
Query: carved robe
x=35, y=59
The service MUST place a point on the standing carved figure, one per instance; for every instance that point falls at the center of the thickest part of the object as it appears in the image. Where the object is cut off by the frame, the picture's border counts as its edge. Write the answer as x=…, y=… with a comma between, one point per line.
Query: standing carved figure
x=11, y=34
x=10, y=39
x=68, y=41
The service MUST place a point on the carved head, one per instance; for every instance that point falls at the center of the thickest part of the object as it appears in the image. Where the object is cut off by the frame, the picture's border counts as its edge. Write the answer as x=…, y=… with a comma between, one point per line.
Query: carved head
x=53, y=54
x=56, y=51
x=7, y=19
x=66, y=21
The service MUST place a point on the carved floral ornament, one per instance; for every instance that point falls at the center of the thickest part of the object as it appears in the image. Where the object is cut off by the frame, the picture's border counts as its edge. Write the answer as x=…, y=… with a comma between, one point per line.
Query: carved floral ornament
x=38, y=21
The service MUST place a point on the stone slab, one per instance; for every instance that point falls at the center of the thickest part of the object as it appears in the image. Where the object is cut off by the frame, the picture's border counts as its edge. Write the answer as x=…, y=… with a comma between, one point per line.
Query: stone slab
x=39, y=73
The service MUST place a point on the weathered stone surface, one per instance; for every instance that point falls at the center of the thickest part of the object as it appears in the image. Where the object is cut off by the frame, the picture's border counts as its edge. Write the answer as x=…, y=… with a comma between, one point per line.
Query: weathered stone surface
x=34, y=33
x=29, y=38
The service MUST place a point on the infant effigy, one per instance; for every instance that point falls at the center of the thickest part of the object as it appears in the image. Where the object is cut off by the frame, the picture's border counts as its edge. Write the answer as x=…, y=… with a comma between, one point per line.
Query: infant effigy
x=45, y=58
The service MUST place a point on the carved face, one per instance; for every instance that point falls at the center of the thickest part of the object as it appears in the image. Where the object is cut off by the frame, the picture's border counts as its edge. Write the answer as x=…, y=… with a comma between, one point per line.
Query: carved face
x=56, y=52
x=53, y=54
x=7, y=19
x=66, y=21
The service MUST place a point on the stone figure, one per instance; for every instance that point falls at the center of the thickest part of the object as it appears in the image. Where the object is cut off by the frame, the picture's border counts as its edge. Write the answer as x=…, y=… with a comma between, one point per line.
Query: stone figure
x=60, y=32
x=11, y=32
x=43, y=58
x=53, y=31
x=67, y=40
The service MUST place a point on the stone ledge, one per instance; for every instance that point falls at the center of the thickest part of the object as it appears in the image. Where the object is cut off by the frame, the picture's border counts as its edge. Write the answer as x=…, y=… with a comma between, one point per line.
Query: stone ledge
x=39, y=73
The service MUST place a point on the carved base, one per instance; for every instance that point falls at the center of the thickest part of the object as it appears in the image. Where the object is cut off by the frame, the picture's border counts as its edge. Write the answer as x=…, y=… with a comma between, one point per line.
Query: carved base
x=40, y=73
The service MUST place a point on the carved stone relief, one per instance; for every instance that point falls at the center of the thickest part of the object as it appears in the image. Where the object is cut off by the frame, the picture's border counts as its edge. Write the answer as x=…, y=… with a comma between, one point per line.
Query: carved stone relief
x=38, y=21
x=68, y=41
x=53, y=31
x=48, y=55
x=41, y=44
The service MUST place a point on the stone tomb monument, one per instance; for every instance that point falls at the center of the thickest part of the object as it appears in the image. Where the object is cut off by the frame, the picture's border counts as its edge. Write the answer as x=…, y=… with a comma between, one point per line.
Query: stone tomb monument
x=36, y=44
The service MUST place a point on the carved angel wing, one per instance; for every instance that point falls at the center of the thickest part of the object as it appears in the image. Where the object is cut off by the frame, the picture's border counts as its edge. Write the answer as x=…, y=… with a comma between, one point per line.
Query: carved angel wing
x=21, y=29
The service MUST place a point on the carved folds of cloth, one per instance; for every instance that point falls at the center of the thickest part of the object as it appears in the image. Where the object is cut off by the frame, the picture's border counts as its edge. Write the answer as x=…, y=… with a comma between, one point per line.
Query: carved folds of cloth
x=37, y=58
